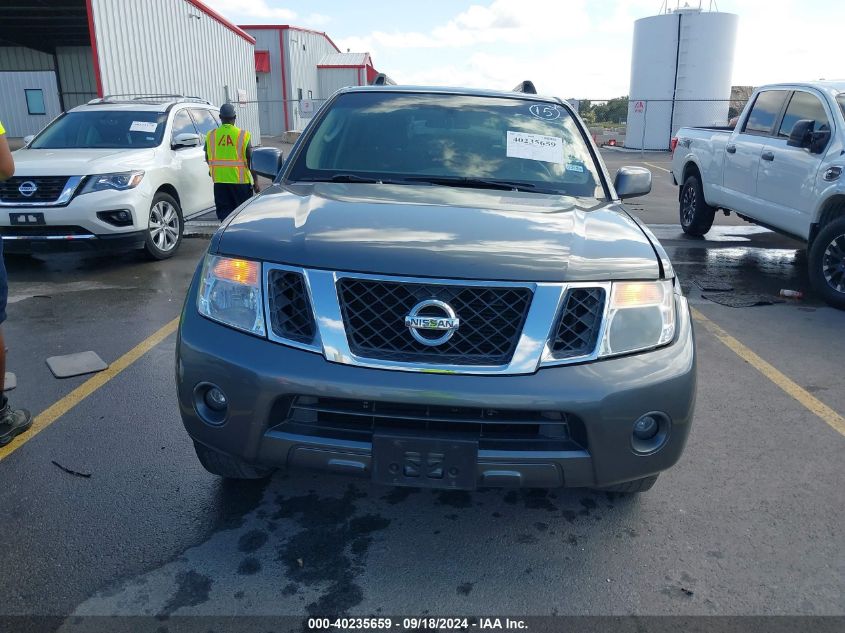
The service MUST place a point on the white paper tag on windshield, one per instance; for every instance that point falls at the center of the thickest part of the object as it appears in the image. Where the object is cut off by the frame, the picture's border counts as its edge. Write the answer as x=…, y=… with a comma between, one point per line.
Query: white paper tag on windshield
x=143, y=126
x=548, y=149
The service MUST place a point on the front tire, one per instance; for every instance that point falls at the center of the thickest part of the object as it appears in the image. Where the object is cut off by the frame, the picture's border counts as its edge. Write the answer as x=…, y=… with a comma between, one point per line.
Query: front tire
x=696, y=215
x=227, y=466
x=164, y=227
x=827, y=263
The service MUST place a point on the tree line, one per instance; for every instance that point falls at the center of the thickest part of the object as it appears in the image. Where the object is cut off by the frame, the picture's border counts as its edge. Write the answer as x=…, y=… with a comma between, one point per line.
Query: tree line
x=613, y=111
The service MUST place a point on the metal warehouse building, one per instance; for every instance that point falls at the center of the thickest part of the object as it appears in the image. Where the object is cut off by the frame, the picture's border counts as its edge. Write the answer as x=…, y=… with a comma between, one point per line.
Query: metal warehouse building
x=56, y=54
x=297, y=70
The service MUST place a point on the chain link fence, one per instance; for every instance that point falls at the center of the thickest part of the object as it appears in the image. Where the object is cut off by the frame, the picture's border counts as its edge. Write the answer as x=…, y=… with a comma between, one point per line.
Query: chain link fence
x=650, y=124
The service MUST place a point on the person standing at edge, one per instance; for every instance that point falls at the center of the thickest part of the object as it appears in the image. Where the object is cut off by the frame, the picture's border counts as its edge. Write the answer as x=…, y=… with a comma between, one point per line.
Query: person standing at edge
x=228, y=152
x=12, y=422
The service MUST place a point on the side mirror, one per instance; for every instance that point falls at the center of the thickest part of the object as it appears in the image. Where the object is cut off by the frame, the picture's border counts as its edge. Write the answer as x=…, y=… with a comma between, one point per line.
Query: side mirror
x=186, y=140
x=801, y=134
x=267, y=161
x=631, y=182
x=28, y=139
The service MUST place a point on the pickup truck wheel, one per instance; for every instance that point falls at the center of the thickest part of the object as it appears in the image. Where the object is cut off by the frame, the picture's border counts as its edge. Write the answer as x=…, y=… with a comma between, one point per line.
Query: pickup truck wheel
x=827, y=263
x=638, y=485
x=227, y=466
x=696, y=215
x=164, y=228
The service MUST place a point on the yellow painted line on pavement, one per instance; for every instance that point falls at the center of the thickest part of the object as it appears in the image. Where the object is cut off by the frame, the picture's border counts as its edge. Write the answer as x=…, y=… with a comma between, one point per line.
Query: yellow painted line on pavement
x=804, y=397
x=60, y=407
x=657, y=167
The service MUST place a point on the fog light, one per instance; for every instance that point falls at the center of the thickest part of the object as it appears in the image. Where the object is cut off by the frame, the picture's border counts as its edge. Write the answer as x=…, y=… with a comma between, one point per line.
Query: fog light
x=216, y=400
x=645, y=428
x=650, y=432
x=119, y=217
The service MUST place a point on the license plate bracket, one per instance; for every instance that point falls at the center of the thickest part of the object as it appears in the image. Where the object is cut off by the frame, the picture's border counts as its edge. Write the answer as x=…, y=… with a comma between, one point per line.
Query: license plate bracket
x=27, y=219
x=424, y=462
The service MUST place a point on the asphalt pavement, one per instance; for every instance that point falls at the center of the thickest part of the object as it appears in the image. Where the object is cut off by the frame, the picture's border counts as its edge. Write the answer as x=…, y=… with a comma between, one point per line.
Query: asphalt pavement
x=748, y=523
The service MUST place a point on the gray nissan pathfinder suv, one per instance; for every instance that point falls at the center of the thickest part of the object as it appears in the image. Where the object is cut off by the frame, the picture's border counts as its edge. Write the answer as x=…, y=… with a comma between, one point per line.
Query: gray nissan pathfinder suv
x=441, y=289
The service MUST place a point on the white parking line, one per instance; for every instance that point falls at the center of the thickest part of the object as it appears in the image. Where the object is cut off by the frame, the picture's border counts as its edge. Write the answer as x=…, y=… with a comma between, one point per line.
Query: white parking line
x=657, y=167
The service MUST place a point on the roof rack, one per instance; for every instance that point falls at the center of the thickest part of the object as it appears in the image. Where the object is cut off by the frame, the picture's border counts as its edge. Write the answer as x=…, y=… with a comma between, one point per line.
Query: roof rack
x=526, y=87
x=382, y=80
x=146, y=98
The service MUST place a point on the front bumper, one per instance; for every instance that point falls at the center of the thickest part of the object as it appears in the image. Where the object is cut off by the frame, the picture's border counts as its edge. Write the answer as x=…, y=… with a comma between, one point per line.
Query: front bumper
x=64, y=240
x=77, y=224
x=605, y=396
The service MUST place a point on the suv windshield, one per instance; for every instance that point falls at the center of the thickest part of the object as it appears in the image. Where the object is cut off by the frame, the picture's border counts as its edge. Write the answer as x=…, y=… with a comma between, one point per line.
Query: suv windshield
x=458, y=140
x=93, y=129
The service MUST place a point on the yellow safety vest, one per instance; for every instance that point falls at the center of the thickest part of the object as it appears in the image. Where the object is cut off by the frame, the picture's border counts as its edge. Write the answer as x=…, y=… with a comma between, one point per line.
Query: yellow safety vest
x=225, y=148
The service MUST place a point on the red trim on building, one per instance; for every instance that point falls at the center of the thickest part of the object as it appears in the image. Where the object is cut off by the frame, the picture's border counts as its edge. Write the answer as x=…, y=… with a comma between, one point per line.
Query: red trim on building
x=216, y=16
x=372, y=73
x=94, y=54
x=284, y=83
x=285, y=27
x=262, y=61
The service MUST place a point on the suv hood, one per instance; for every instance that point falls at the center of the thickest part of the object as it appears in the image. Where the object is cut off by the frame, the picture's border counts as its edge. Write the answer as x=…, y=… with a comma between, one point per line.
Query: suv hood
x=80, y=162
x=432, y=231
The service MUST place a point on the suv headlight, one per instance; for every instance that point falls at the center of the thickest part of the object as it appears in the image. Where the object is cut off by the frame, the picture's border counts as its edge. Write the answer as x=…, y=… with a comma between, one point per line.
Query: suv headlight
x=120, y=181
x=230, y=293
x=641, y=316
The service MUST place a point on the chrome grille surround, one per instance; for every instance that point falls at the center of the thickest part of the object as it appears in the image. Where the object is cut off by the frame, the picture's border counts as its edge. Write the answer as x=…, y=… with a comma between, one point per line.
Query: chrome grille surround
x=533, y=348
x=491, y=319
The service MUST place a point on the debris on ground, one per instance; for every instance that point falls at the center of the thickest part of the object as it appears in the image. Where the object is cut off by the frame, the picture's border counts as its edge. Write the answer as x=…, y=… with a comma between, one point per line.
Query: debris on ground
x=10, y=381
x=71, y=471
x=792, y=294
x=741, y=299
x=713, y=285
x=76, y=364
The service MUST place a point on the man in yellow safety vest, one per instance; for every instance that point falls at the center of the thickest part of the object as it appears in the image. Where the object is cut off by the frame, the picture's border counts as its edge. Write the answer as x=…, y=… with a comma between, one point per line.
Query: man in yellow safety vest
x=228, y=152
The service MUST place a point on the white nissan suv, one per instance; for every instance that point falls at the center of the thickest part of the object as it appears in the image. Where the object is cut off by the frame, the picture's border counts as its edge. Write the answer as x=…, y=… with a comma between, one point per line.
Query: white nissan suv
x=113, y=174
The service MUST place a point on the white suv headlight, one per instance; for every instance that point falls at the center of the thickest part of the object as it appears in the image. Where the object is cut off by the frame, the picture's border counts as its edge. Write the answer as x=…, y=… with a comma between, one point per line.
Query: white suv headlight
x=641, y=316
x=230, y=293
x=120, y=181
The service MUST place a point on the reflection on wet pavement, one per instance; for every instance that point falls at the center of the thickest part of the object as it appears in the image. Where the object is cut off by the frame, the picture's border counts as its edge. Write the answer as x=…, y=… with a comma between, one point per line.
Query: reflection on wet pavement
x=718, y=268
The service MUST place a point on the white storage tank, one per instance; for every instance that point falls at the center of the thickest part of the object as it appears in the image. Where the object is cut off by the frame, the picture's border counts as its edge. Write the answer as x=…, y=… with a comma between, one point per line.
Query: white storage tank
x=681, y=70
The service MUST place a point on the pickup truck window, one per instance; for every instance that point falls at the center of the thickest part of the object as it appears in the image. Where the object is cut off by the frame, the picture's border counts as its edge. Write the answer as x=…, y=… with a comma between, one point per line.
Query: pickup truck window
x=407, y=138
x=803, y=105
x=766, y=108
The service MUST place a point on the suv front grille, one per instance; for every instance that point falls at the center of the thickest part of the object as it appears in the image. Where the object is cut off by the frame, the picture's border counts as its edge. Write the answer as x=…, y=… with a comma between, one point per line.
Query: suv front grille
x=580, y=323
x=517, y=429
x=48, y=188
x=491, y=320
x=291, y=316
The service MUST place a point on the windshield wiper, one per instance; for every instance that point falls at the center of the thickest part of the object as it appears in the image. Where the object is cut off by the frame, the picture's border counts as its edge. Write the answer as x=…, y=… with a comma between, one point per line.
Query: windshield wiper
x=356, y=179
x=481, y=183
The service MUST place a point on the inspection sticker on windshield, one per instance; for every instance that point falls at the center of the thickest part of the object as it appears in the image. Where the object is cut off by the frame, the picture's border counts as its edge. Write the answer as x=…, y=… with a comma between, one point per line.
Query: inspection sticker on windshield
x=143, y=126
x=548, y=149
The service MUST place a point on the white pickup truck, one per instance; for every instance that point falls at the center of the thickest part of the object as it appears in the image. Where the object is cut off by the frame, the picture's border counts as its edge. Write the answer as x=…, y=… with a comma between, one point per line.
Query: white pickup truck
x=780, y=167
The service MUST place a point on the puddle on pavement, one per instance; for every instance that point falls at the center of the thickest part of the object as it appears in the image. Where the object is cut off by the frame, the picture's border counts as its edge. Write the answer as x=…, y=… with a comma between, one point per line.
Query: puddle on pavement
x=755, y=272
x=318, y=544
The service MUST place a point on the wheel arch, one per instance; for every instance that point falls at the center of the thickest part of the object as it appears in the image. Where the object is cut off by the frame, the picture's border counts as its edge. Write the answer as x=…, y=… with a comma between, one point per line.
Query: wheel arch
x=830, y=209
x=691, y=168
x=171, y=191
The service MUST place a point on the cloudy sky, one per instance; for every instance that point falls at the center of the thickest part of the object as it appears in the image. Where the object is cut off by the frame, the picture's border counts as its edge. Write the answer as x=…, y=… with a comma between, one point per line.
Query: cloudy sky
x=569, y=48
